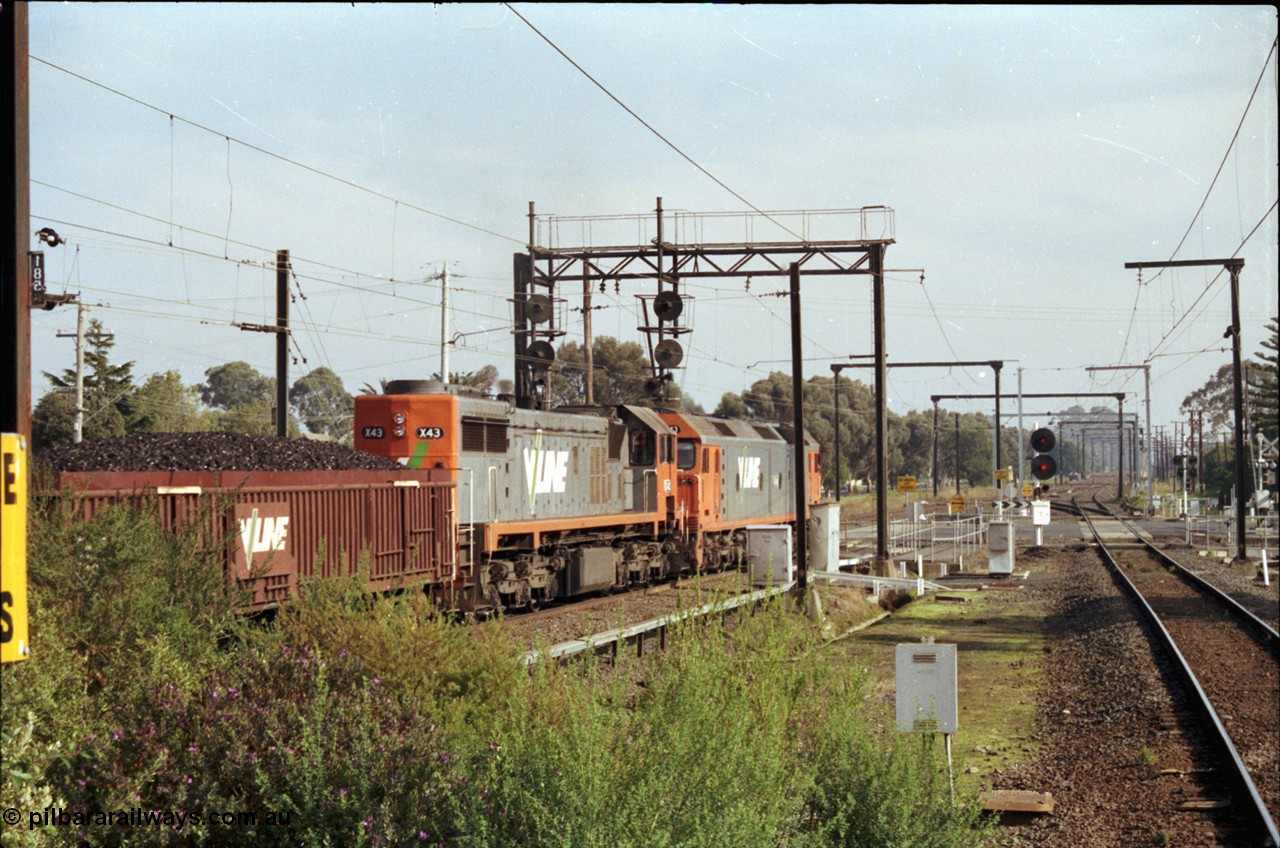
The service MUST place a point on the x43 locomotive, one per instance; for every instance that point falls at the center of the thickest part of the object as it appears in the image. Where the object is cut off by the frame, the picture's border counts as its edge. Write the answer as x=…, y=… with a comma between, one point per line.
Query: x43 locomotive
x=556, y=503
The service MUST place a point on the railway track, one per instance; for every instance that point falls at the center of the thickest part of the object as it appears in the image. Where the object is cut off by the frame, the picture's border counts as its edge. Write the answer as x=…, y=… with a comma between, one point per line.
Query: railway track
x=1227, y=659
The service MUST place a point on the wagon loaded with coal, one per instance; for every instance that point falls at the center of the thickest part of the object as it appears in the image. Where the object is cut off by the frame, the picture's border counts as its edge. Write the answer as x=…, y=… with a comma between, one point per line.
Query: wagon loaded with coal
x=485, y=505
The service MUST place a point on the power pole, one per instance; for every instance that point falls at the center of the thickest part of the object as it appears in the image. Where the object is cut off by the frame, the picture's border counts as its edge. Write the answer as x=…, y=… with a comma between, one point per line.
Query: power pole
x=77, y=432
x=444, y=324
x=15, y=269
x=589, y=360
x=797, y=421
x=282, y=344
x=1146, y=444
x=1233, y=266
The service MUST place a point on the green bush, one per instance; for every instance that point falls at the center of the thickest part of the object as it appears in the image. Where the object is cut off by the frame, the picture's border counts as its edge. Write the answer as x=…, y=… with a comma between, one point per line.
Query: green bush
x=359, y=720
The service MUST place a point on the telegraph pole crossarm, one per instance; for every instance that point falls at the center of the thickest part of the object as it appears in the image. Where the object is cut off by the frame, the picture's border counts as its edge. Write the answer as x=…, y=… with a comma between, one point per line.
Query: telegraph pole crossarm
x=1233, y=266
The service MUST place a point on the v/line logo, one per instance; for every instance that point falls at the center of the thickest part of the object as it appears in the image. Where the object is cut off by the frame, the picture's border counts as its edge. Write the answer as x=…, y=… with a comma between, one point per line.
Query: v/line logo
x=749, y=471
x=546, y=471
x=260, y=535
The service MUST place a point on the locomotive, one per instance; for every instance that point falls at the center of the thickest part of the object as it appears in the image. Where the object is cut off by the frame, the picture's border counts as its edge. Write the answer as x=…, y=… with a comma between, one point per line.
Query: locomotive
x=557, y=503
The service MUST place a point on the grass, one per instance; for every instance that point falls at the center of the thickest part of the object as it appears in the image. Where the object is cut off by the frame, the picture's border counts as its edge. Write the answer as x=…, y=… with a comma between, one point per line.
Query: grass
x=1000, y=649
x=356, y=720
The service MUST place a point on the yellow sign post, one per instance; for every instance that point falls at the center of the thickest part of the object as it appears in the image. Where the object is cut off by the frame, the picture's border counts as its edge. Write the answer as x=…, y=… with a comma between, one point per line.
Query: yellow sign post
x=14, y=641
x=958, y=504
x=906, y=484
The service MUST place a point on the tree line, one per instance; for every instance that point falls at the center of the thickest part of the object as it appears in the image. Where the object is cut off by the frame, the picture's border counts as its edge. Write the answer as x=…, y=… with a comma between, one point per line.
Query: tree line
x=236, y=397
x=233, y=397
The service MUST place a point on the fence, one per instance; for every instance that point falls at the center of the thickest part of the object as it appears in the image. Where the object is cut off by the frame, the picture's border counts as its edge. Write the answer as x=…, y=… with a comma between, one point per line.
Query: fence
x=944, y=536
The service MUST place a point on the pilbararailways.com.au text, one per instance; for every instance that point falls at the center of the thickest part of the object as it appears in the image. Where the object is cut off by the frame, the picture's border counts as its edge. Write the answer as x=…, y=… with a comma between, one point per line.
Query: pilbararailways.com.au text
x=139, y=817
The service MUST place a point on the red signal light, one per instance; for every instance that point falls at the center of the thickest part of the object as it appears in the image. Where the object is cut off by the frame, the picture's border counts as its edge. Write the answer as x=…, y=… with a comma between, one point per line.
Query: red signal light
x=1042, y=440
x=1043, y=466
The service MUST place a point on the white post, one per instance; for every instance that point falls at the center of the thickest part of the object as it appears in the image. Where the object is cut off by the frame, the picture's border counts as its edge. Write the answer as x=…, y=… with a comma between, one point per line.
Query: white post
x=1021, y=460
x=78, y=432
x=1266, y=573
x=951, y=776
x=444, y=324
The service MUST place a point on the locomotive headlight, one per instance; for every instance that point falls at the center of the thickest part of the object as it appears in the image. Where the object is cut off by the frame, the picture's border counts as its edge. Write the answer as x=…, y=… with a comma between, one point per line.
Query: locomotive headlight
x=398, y=418
x=399, y=431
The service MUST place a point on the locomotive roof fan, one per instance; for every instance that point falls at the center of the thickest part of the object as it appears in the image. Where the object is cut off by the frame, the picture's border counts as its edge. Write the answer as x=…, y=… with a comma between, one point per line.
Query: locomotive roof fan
x=541, y=355
x=537, y=308
x=667, y=306
x=668, y=353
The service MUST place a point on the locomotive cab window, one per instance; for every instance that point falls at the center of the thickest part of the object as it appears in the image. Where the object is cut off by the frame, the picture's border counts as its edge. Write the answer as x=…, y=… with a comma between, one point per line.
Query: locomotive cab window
x=643, y=449
x=686, y=454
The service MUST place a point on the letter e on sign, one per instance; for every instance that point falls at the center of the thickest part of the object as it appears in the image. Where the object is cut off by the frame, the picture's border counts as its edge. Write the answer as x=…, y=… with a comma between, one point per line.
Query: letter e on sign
x=13, y=550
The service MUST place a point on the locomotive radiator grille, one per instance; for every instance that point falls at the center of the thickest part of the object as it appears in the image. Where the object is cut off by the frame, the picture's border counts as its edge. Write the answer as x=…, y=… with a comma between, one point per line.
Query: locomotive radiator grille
x=599, y=476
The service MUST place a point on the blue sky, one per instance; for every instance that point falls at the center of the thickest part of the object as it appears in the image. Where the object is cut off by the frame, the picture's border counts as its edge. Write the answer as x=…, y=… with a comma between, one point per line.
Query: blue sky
x=1027, y=153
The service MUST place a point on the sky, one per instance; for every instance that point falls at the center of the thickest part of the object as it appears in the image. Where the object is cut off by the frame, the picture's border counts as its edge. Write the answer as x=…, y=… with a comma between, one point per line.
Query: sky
x=1027, y=153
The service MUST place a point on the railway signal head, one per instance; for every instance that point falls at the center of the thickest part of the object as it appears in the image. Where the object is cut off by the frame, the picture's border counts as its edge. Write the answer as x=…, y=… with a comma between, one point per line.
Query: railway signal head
x=1042, y=440
x=1043, y=466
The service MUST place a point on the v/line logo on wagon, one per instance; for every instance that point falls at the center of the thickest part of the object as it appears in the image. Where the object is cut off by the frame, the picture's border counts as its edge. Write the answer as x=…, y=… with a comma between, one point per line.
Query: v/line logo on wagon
x=264, y=539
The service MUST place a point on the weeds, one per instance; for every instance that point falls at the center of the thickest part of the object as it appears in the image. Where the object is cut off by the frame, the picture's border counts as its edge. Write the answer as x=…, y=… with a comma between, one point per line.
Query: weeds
x=361, y=720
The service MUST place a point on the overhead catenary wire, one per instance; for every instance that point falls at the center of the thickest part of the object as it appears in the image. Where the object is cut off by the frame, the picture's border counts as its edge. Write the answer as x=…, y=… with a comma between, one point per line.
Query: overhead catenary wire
x=647, y=125
x=1200, y=210
x=262, y=150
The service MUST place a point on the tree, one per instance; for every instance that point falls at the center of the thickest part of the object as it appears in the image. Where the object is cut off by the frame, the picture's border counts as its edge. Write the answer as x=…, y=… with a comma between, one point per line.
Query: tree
x=483, y=379
x=243, y=400
x=164, y=405
x=620, y=369
x=1216, y=397
x=323, y=403
x=1263, y=392
x=236, y=384
x=105, y=385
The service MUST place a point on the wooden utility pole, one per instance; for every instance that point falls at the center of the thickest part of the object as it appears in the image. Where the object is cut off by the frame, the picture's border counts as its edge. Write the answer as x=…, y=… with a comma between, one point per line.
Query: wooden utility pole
x=15, y=270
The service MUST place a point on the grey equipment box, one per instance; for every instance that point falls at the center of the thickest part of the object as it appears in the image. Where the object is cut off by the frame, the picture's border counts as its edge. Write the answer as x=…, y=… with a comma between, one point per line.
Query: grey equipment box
x=824, y=537
x=769, y=555
x=927, y=698
x=1000, y=547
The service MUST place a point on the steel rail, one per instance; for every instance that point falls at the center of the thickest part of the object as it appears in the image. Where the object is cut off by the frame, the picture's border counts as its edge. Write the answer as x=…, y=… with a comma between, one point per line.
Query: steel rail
x=1202, y=698
x=1268, y=633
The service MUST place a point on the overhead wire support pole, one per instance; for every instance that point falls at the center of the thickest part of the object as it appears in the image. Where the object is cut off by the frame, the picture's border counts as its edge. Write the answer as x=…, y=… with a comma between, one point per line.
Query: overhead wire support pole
x=15, y=274
x=994, y=364
x=1119, y=396
x=282, y=344
x=835, y=395
x=797, y=419
x=1233, y=266
x=1146, y=443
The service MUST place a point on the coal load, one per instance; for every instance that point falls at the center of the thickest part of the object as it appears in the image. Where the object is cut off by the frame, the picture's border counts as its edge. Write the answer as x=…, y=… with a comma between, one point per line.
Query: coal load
x=209, y=452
